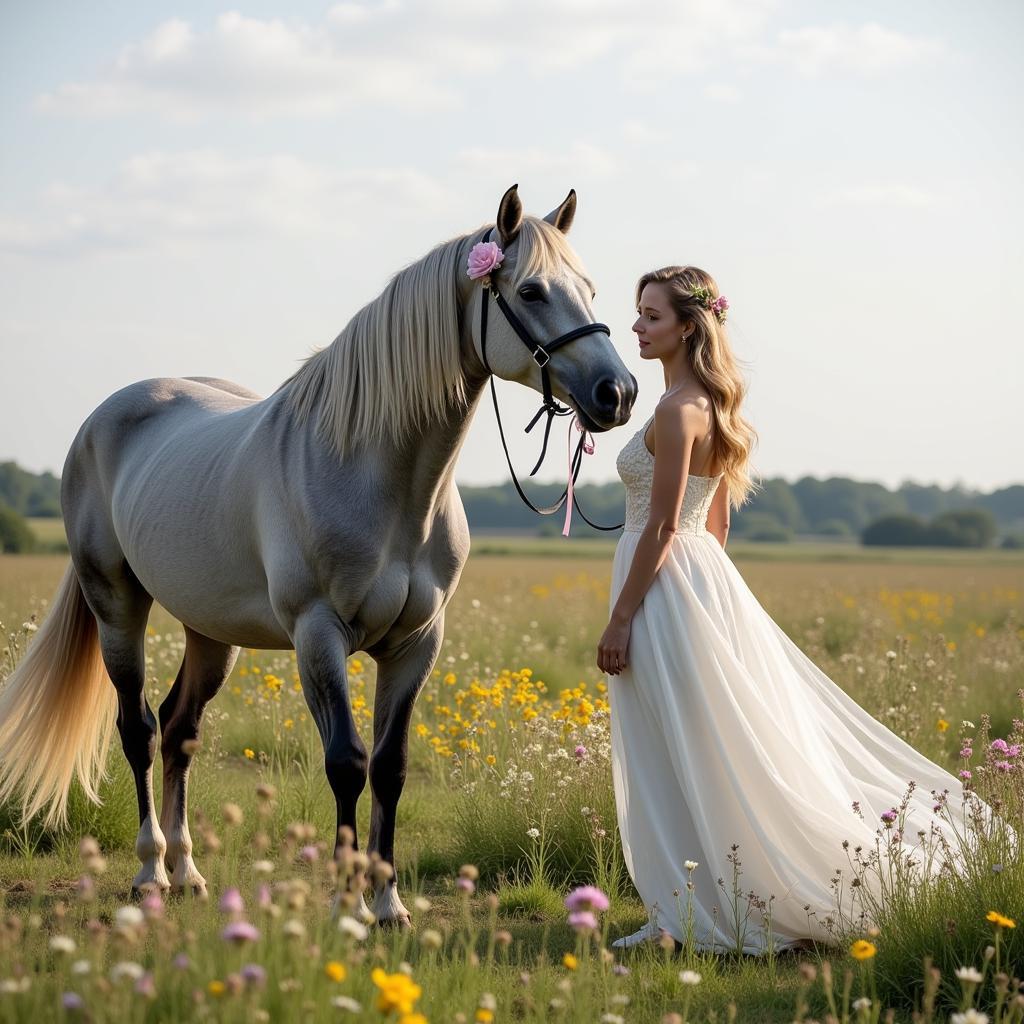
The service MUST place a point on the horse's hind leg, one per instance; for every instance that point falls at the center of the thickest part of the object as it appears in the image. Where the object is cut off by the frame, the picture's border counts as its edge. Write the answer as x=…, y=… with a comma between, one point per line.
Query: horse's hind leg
x=207, y=665
x=121, y=607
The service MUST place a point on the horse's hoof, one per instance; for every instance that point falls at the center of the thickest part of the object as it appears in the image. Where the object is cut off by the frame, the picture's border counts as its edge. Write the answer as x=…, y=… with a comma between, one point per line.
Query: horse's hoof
x=403, y=922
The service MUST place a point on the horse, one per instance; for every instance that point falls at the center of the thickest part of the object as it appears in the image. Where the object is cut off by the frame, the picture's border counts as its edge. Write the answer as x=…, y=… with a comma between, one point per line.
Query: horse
x=324, y=518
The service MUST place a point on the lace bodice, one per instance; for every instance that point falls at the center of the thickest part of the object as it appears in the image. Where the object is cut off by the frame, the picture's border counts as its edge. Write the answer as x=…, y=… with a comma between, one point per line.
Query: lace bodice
x=635, y=465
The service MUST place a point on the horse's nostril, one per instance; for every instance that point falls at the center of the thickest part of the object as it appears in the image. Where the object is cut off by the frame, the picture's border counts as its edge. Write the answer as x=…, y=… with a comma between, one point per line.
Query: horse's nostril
x=607, y=394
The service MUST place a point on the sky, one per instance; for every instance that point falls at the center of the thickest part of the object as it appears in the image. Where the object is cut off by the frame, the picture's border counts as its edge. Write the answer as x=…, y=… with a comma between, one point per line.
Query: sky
x=200, y=189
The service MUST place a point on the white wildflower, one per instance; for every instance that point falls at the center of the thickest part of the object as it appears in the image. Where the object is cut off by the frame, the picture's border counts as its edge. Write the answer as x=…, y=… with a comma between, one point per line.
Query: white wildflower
x=346, y=1003
x=689, y=977
x=62, y=944
x=969, y=974
x=129, y=917
x=126, y=969
x=350, y=926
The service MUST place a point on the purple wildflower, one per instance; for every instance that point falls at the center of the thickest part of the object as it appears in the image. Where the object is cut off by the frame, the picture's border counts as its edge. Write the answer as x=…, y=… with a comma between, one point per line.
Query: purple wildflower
x=465, y=884
x=965, y=773
x=999, y=746
x=254, y=975
x=580, y=752
x=966, y=751
x=889, y=816
x=145, y=986
x=182, y=962
x=621, y=970
x=1003, y=766
x=72, y=1001
x=240, y=932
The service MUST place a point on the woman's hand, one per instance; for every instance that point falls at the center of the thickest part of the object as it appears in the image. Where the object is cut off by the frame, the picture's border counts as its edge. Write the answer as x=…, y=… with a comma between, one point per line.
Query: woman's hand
x=612, y=647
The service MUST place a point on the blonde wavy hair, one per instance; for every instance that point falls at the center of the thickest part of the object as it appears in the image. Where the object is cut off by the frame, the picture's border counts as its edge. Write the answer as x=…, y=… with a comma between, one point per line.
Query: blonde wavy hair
x=716, y=367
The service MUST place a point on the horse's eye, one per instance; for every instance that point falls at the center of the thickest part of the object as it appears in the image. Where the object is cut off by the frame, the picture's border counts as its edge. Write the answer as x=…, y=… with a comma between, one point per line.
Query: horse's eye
x=531, y=293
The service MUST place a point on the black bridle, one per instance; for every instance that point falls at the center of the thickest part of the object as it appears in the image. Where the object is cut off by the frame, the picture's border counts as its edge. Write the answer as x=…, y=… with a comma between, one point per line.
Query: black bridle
x=541, y=354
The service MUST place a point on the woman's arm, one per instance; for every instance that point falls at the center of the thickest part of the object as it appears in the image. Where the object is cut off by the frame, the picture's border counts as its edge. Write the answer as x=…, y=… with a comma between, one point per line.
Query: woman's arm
x=718, y=514
x=676, y=427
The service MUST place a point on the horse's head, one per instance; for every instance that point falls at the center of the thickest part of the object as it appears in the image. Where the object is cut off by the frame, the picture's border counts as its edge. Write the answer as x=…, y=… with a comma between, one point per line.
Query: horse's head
x=549, y=293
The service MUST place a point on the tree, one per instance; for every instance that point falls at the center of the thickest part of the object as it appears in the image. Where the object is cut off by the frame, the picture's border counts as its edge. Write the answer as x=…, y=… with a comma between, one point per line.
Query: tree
x=15, y=535
x=895, y=531
x=970, y=527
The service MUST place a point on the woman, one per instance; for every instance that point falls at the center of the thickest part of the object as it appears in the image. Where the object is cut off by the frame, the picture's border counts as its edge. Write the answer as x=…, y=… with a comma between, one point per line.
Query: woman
x=723, y=731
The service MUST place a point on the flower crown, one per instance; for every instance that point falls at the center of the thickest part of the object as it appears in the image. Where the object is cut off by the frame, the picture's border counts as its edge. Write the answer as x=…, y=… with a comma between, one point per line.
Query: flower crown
x=718, y=306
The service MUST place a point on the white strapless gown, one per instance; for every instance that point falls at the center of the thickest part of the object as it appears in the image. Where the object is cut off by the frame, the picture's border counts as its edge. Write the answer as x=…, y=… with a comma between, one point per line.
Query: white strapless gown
x=723, y=731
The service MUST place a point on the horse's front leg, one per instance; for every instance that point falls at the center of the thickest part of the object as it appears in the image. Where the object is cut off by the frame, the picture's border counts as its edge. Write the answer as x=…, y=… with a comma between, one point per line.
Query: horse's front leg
x=399, y=680
x=322, y=645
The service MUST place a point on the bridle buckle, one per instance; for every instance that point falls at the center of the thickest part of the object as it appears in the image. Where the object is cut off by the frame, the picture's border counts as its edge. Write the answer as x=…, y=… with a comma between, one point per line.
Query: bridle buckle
x=538, y=353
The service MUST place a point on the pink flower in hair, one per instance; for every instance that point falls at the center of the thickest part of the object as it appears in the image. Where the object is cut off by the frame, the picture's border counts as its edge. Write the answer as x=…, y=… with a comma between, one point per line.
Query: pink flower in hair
x=483, y=258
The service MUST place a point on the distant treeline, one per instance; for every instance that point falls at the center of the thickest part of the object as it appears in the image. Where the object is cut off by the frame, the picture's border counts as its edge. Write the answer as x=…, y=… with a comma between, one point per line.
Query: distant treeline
x=780, y=511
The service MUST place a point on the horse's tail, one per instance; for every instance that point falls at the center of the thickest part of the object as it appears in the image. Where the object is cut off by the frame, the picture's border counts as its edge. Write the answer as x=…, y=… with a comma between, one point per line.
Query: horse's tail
x=57, y=710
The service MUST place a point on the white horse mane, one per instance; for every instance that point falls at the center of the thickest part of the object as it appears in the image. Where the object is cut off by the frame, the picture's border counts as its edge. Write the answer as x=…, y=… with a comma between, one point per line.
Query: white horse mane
x=396, y=367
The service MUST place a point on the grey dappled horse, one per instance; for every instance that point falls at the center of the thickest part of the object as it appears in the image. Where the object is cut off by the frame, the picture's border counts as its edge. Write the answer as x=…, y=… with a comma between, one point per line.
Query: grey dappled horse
x=324, y=518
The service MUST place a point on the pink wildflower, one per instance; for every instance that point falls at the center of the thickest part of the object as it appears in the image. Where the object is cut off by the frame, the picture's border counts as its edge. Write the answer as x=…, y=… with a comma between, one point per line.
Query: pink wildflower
x=231, y=902
x=965, y=773
x=966, y=751
x=580, y=752
x=254, y=975
x=999, y=746
x=466, y=885
x=582, y=921
x=586, y=897
x=309, y=854
x=889, y=816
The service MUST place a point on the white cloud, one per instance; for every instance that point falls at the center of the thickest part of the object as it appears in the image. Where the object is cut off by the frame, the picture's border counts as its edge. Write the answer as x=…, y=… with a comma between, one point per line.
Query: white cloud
x=412, y=57
x=722, y=92
x=571, y=159
x=160, y=198
x=866, y=49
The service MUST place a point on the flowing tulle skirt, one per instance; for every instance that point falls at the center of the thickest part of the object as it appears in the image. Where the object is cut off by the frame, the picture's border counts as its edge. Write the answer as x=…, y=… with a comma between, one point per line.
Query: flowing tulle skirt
x=724, y=732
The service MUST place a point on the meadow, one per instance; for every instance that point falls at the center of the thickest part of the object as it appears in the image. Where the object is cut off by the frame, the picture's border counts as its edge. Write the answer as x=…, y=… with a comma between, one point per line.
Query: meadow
x=508, y=809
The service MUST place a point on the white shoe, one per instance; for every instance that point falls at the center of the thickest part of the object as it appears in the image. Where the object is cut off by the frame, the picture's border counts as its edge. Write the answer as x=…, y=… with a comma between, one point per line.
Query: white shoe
x=646, y=934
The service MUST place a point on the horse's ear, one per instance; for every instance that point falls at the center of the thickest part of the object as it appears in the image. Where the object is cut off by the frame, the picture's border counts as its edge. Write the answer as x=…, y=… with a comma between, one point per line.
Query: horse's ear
x=510, y=215
x=562, y=217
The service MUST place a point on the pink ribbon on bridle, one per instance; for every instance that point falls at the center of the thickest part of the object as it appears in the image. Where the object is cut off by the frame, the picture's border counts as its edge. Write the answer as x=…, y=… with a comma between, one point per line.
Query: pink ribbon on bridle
x=588, y=449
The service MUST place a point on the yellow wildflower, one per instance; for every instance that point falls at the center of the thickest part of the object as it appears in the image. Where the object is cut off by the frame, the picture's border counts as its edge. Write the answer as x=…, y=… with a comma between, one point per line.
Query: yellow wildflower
x=412, y=1018
x=491, y=759
x=484, y=1016
x=335, y=970
x=862, y=950
x=249, y=753
x=289, y=723
x=216, y=988
x=998, y=919
x=942, y=725
x=570, y=961
x=397, y=991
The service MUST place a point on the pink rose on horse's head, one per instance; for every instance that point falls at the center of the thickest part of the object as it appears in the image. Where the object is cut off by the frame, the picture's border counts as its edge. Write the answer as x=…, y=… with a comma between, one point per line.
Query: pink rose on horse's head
x=483, y=258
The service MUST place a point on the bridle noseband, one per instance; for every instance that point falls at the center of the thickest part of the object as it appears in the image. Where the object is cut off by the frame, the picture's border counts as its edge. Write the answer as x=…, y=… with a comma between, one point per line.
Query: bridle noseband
x=541, y=354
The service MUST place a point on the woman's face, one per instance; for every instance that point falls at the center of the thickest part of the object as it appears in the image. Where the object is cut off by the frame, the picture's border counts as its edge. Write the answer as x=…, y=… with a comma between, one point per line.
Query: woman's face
x=658, y=329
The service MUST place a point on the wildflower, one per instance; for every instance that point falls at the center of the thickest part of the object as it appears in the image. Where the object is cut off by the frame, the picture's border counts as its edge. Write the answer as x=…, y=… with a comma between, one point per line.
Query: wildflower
x=254, y=975
x=153, y=905
x=689, y=977
x=397, y=992
x=350, y=926
x=586, y=897
x=580, y=752
x=309, y=854
x=969, y=974
x=346, y=1003
x=890, y=655
x=970, y=1016
x=965, y=774
x=582, y=921
x=249, y=755
x=570, y=961
x=431, y=939
x=335, y=970
x=263, y=867
x=621, y=970
x=240, y=932
x=690, y=865
x=182, y=962
x=533, y=833
x=422, y=904
x=145, y=986
x=889, y=816
x=294, y=928
x=63, y=944
x=862, y=950
x=72, y=1001
x=216, y=988
x=466, y=885
x=231, y=902
x=126, y=969
x=863, y=1003
x=612, y=1018
x=81, y=967
x=999, y=746
x=942, y=725
x=484, y=1016
x=999, y=920
x=232, y=814
x=128, y=917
